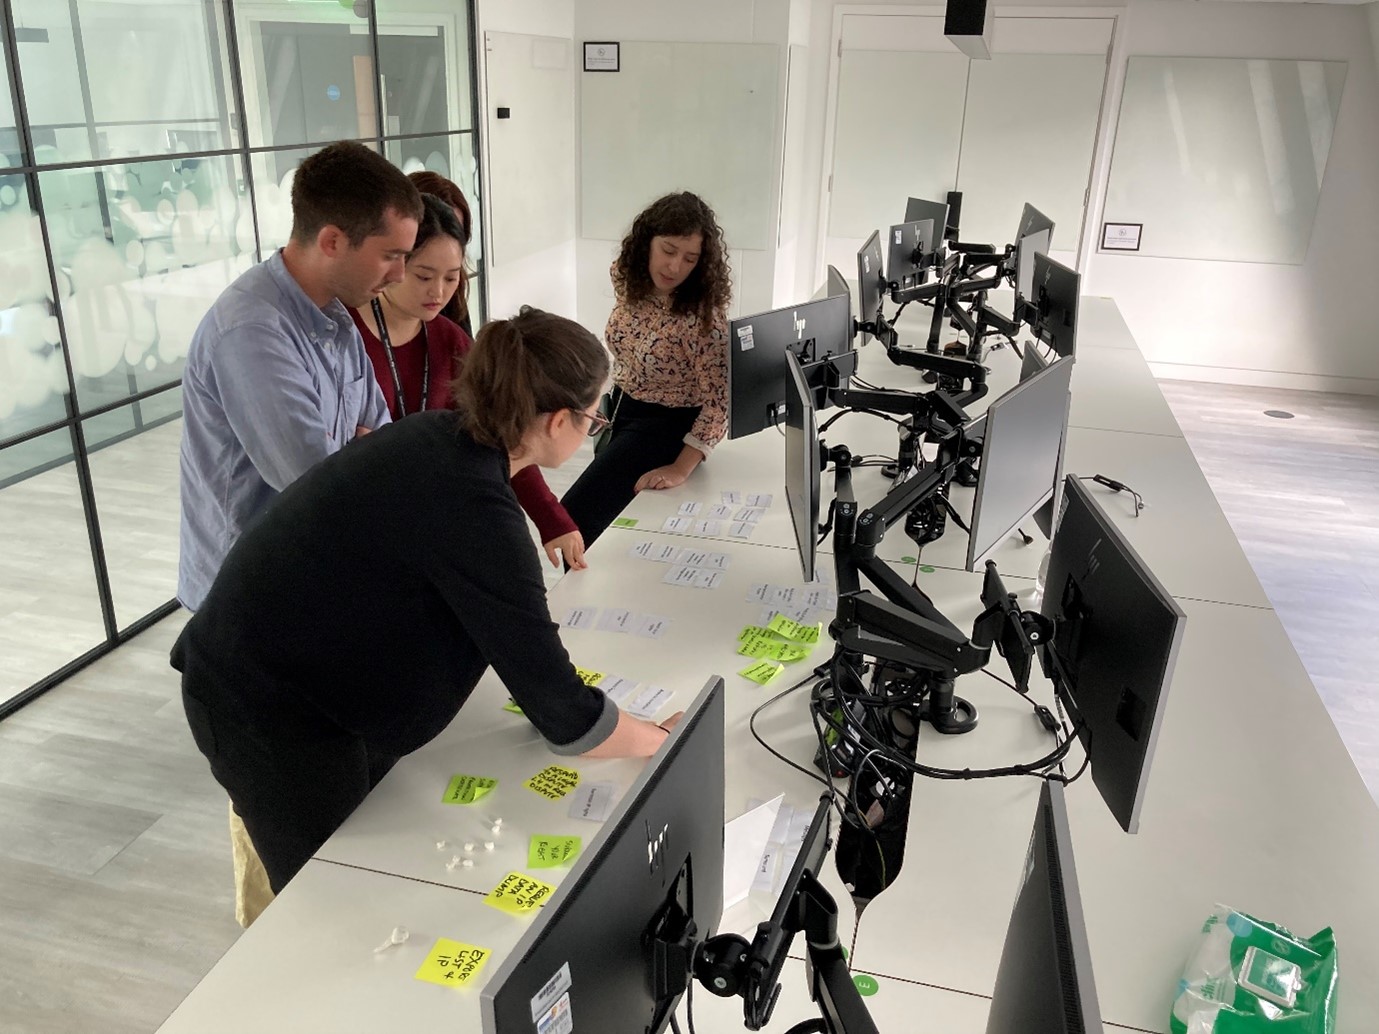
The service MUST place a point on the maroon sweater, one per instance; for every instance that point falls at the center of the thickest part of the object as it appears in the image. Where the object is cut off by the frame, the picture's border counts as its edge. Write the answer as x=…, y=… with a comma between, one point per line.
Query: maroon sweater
x=448, y=345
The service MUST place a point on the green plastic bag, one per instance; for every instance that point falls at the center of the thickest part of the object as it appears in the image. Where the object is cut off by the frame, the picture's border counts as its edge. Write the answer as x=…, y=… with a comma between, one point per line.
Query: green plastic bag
x=1252, y=977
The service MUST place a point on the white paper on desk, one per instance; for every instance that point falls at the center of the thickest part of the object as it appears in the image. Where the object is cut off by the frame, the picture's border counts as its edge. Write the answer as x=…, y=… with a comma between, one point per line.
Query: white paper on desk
x=681, y=575
x=617, y=688
x=692, y=557
x=665, y=554
x=758, y=594
x=580, y=617
x=690, y=509
x=648, y=702
x=707, y=579
x=765, y=879
x=718, y=561
x=782, y=595
x=768, y=615
x=815, y=597
x=677, y=525
x=592, y=801
x=731, y=498
x=721, y=513
x=744, y=842
x=708, y=527
x=642, y=549
x=615, y=620
x=759, y=499
x=652, y=626
x=780, y=831
x=742, y=530
x=787, y=862
x=751, y=514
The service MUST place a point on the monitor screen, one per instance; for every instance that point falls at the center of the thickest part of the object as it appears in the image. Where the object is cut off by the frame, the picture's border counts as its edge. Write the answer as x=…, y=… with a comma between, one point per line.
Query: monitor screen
x=1044, y=984
x=1115, y=641
x=1054, y=304
x=756, y=356
x=802, y=474
x=664, y=840
x=910, y=243
x=1034, y=237
x=871, y=281
x=1021, y=452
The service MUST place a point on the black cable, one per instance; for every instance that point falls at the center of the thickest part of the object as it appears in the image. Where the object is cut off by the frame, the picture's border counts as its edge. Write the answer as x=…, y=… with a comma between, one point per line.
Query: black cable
x=1116, y=486
x=689, y=1005
x=752, y=728
x=844, y=412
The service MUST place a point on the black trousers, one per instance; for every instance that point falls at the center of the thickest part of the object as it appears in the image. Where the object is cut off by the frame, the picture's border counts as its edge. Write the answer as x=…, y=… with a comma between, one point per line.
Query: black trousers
x=644, y=436
x=293, y=782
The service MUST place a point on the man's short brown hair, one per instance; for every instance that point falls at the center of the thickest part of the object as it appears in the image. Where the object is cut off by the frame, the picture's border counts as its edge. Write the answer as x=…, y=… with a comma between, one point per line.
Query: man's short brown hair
x=350, y=187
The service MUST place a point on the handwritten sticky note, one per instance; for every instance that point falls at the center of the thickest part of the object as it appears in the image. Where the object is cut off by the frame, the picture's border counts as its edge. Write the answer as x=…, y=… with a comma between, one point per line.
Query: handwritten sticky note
x=553, y=782
x=452, y=964
x=624, y=522
x=547, y=851
x=511, y=706
x=762, y=672
x=794, y=630
x=518, y=894
x=466, y=789
x=589, y=678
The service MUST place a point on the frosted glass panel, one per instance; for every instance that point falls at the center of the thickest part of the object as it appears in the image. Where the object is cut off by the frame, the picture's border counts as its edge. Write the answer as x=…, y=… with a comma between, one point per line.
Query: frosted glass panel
x=1223, y=158
x=1038, y=149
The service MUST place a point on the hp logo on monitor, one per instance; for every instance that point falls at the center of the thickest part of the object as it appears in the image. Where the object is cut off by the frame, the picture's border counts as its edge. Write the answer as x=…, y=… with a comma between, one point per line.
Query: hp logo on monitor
x=656, y=848
x=799, y=327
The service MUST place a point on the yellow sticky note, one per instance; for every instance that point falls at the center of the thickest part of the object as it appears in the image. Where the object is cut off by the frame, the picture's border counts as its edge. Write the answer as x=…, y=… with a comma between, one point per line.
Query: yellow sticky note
x=794, y=630
x=762, y=672
x=553, y=782
x=548, y=851
x=519, y=894
x=466, y=789
x=790, y=652
x=511, y=705
x=753, y=632
x=589, y=678
x=452, y=964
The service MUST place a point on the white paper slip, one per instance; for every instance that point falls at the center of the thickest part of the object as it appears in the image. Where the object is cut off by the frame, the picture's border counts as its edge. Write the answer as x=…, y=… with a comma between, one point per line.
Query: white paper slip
x=787, y=863
x=677, y=525
x=592, y=801
x=692, y=557
x=758, y=594
x=580, y=617
x=616, y=688
x=780, y=832
x=652, y=626
x=742, y=530
x=831, y=601
x=766, y=872
x=749, y=513
x=690, y=509
x=759, y=499
x=744, y=842
x=682, y=575
x=615, y=620
x=648, y=702
x=732, y=498
x=718, y=561
x=804, y=615
x=814, y=597
x=642, y=549
x=707, y=578
x=708, y=527
x=665, y=554
x=722, y=513
x=799, y=827
x=768, y=615
x=783, y=595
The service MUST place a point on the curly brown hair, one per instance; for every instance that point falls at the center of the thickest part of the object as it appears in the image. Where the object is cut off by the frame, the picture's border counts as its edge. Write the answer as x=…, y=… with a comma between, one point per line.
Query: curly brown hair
x=708, y=289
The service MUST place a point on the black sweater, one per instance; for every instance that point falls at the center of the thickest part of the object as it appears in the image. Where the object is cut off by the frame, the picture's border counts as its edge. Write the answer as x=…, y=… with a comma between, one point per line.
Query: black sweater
x=376, y=590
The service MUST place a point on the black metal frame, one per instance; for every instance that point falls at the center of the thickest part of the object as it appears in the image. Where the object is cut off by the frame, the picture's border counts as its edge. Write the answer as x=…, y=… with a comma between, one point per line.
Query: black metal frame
x=221, y=18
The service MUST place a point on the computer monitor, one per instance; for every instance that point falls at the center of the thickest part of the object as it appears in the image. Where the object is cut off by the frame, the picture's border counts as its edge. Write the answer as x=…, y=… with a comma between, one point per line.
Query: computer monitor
x=871, y=282
x=802, y=476
x=1034, y=237
x=1031, y=362
x=1044, y=983
x=1053, y=306
x=1115, y=641
x=1021, y=452
x=834, y=285
x=917, y=208
x=663, y=841
x=911, y=245
x=756, y=357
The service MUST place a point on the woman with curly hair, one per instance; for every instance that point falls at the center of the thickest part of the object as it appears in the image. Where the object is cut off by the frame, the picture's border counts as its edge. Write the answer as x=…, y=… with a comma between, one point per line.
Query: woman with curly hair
x=669, y=337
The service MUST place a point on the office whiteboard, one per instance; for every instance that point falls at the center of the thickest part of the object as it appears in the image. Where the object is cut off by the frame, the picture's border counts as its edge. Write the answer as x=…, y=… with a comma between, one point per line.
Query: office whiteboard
x=1223, y=158
x=702, y=117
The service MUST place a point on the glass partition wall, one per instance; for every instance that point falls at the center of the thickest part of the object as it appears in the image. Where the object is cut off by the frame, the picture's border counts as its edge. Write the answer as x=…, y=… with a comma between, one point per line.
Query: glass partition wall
x=147, y=149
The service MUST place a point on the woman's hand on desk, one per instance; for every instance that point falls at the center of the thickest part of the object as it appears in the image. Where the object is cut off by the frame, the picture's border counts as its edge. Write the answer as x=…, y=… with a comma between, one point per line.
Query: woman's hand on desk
x=662, y=477
x=633, y=738
x=571, y=546
x=672, y=721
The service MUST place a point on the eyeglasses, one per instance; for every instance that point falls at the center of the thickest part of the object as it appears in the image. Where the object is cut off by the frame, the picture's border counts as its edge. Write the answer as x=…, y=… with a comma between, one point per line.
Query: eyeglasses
x=597, y=422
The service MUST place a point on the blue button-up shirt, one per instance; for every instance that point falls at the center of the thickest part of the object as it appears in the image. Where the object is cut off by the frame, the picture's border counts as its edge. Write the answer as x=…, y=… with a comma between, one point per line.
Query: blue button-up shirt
x=273, y=385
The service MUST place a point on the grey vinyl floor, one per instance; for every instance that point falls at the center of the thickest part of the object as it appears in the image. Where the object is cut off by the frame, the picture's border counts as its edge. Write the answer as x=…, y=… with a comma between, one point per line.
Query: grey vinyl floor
x=115, y=894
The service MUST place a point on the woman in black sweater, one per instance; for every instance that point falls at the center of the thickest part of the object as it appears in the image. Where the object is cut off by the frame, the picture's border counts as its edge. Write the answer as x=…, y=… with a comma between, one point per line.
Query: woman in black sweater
x=351, y=622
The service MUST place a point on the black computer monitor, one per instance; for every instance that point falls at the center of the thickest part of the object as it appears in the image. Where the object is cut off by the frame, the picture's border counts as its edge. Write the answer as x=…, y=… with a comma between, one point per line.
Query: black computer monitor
x=1022, y=451
x=757, y=345
x=1052, y=311
x=1044, y=984
x=802, y=474
x=1115, y=640
x=871, y=281
x=1034, y=237
x=917, y=208
x=663, y=842
x=911, y=247
x=1031, y=362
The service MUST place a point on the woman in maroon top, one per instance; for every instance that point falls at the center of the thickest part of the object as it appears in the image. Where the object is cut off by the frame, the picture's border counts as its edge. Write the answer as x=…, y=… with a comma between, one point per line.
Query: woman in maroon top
x=416, y=358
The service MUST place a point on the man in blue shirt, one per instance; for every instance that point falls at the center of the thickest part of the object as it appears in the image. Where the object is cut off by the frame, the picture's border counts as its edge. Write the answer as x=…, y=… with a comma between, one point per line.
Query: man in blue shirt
x=276, y=376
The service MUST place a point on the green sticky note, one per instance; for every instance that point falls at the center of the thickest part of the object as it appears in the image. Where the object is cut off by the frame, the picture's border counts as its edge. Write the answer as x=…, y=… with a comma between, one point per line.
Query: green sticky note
x=589, y=678
x=927, y=569
x=789, y=653
x=511, y=705
x=466, y=789
x=546, y=851
x=762, y=672
x=908, y=559
x=452, y=963
x=624, y=522
x=782, y=625
x=553, y=782
x=866, y=986
x=753, y=631
x=519, y=894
